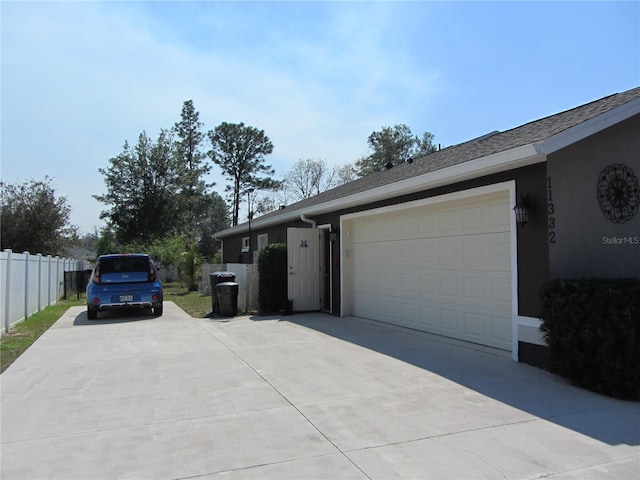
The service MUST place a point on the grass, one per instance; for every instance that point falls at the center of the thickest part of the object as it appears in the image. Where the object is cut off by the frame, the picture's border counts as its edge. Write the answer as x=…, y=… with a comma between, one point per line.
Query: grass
x=194, y=303
x=24, y=334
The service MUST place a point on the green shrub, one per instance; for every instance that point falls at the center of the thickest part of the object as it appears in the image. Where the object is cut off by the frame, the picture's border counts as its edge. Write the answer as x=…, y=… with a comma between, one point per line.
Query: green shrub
x=272, y=268
x=592, y=328
x=189, y=267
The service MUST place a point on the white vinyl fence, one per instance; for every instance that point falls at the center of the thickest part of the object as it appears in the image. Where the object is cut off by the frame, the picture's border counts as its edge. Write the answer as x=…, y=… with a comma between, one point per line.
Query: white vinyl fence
x=28, y=283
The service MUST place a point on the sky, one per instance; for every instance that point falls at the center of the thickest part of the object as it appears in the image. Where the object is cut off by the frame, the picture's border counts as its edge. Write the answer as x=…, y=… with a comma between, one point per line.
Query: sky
x=78, y=79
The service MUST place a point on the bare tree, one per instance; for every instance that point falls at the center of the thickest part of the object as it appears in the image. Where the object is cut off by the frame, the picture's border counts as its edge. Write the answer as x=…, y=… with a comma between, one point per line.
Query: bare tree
x=305, y=179
x=344, y=174
x=309, y=177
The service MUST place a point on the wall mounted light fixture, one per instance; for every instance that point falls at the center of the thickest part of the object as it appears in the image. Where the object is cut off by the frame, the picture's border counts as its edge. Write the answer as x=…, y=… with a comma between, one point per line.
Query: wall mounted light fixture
x=522, y=210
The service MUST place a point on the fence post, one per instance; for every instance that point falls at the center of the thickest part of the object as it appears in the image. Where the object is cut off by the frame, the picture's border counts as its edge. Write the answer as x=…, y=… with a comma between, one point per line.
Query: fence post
x=49, y=258
x=39, y=281
x=7, y=288
x=26, y=285
x=57, y=280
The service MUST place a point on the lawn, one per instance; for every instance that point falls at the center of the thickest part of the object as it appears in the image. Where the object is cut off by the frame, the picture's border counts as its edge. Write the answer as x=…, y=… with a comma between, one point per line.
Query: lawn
x=22, y=336
x=194, y=303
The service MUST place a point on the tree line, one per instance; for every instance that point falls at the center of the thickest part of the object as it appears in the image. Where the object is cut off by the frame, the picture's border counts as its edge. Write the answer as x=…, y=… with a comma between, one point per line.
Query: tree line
x=158, y=200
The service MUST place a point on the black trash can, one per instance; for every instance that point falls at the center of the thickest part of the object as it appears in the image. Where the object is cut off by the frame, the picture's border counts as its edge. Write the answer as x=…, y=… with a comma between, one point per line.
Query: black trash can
x=215, y=278
x=228, y=295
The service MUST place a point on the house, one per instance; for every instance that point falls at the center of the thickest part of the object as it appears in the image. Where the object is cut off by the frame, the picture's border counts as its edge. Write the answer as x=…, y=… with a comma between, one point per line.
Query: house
x=434, y=244
x=80, y=252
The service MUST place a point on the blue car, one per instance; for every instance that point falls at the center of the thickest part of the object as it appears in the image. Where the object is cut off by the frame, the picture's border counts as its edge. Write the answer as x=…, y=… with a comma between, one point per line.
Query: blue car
x=121, y=281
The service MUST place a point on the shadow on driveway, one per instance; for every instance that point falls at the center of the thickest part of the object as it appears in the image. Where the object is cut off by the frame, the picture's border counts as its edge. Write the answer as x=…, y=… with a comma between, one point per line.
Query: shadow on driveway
x=114, y=316
x=521, y=386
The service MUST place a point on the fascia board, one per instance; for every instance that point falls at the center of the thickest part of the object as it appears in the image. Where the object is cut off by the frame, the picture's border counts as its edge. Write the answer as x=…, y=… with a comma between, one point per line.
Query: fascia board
x=509, y=159
x=585, y=129
x=498, y=162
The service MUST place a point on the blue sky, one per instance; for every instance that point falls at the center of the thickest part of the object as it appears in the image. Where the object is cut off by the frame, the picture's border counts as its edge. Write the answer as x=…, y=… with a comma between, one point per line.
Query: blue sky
x=80, y=78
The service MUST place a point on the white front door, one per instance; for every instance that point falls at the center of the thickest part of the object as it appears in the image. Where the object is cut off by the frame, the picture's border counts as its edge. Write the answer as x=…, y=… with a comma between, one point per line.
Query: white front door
x=303, y=259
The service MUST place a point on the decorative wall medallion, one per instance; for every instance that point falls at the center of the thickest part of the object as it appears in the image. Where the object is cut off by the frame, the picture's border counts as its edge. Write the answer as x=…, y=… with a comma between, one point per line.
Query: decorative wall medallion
x=618, y=193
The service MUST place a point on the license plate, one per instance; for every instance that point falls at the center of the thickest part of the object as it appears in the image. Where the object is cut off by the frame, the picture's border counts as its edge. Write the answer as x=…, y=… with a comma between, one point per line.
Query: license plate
x=126, y=298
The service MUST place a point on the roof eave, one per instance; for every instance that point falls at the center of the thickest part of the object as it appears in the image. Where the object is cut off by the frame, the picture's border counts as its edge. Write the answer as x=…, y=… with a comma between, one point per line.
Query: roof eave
x=590, y=127
x=498, y=162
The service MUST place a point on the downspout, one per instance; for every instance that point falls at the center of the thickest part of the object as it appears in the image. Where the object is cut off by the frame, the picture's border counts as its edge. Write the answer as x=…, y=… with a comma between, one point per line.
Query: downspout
x=313, y=223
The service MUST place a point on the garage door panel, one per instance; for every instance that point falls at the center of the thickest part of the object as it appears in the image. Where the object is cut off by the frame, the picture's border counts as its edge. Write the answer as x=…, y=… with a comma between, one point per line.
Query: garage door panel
x=448, y=248
x=450, y=321
x=475, y=253
x=501, y=291
x=475, y=325
x=473, y=218
x=407, y=227
x=448, y=288
x=408, y=284
x=500, y=325
x=443, y=269
x=428, y=285
x=427, y=317
x=500, y=251
x=426, y=223
x=475, y=288
x=407, y=252
x=448, y=221
x=428, y=253
x=460, y=218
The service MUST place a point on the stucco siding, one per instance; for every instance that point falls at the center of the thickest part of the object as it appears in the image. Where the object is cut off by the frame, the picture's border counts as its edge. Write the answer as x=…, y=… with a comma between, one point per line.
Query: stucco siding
x=584, y=242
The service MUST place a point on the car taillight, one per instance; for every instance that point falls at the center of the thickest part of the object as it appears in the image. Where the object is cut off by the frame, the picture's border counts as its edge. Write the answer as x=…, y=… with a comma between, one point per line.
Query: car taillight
x=96, y=300
x=154, y=297
x=96, y=274
x=153, y=274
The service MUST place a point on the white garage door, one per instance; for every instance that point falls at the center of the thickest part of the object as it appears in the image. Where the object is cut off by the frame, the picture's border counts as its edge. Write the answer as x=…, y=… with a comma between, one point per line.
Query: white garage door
x=443, y=269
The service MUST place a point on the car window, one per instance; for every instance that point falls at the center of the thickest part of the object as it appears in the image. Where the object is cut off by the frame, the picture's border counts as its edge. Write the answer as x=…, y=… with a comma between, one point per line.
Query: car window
x=123, y=265
x=107, y=265
x=124, y=269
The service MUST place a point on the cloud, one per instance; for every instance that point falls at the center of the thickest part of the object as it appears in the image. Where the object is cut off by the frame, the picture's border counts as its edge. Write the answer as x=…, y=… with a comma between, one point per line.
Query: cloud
x=80, y=78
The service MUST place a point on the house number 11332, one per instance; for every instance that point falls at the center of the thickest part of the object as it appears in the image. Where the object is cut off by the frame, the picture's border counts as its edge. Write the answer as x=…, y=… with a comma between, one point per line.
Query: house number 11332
x=551, y=213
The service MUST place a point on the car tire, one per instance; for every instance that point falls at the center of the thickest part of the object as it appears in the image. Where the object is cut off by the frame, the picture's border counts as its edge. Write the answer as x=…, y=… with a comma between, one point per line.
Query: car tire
x=92, y=313
x=157, y=311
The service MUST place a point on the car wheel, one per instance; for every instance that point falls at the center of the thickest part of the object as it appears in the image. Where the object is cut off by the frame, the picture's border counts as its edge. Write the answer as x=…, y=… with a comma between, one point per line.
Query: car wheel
x=157, y=311
x=92, y=313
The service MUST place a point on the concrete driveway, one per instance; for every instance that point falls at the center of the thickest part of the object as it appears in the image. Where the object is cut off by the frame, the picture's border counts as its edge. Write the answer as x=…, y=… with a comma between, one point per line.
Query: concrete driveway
x=306, y=396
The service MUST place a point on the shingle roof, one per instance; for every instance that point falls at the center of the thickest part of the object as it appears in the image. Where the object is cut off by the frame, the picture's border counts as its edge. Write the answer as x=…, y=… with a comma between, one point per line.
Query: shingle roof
x=529, y=133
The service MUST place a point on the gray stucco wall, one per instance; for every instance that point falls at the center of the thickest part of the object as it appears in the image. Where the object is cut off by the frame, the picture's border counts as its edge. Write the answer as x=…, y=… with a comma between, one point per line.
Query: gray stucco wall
x=582, y=241
x=533, y=260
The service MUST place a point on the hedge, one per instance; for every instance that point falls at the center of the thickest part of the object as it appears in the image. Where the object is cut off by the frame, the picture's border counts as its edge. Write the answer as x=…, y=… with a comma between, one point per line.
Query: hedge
x=272, y=287
x=592, y=328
